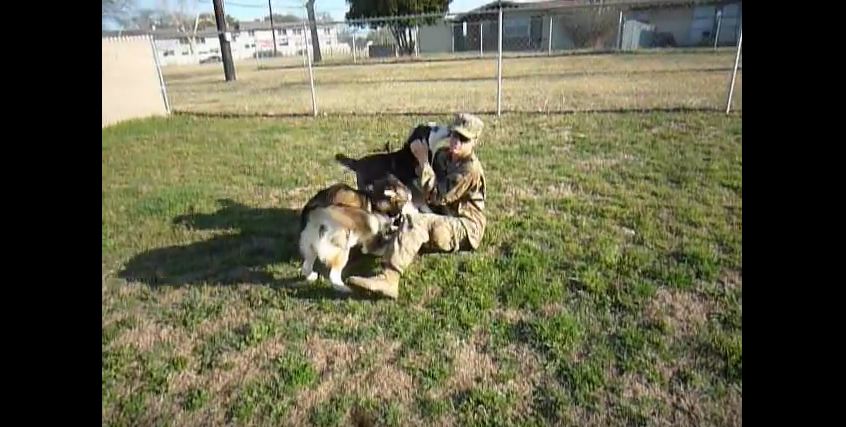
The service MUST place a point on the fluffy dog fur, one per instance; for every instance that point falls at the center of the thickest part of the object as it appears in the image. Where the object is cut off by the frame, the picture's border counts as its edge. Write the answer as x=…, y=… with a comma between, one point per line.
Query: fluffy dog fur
x=331, y=232
x=339, y=218
x=386, y=195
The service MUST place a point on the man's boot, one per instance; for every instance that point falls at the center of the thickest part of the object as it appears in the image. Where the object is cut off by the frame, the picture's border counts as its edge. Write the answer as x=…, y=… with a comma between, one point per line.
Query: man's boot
x=385, y=283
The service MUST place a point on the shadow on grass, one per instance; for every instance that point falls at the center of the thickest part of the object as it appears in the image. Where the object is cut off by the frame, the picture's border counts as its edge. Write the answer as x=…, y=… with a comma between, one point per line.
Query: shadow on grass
x=259, y=237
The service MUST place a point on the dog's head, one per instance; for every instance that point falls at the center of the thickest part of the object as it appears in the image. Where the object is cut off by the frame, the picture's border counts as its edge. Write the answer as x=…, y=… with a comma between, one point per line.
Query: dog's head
x=437, y=133
x=431, y=133
x=388, y=195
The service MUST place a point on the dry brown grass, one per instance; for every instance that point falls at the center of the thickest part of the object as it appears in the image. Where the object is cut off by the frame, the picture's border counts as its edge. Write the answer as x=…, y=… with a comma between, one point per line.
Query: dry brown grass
x=334, y=361
x=682, y=311
x=223, y=384
x=536, y=84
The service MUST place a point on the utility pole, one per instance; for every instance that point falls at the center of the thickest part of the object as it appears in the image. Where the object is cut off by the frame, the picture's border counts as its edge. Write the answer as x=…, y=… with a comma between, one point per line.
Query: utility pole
x=272, y=31
x=223, y=36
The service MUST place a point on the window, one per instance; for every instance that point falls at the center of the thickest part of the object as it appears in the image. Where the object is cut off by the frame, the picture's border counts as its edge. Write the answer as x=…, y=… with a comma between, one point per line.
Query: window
x=283, y=42
x=516, y=27
x=183, y=40
x=201, y=39
x=184, y=53
x=251, y=33
x=168, y=53
x=215, y=50
x=247, y=46
x=284, y=32
x=327, y=31
x=328, y=42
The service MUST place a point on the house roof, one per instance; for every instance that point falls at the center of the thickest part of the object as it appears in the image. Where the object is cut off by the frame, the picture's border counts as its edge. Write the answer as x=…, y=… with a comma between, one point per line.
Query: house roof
x=265, y=25
x=525, y=4
x=540, y=5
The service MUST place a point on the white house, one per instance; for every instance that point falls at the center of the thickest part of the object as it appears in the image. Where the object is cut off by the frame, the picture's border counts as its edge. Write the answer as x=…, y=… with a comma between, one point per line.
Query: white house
x=290, y=40
x=252, y=39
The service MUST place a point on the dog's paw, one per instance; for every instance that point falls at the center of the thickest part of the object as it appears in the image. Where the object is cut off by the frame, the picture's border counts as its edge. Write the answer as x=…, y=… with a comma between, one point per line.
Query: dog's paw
x=312, y=276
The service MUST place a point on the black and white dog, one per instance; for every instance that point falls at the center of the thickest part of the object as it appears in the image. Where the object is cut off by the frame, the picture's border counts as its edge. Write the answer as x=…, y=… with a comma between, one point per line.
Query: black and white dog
x=400, y=163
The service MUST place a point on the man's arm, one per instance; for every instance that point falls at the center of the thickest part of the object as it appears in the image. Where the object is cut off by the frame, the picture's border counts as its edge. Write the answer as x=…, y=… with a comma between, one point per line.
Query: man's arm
x=453, y=187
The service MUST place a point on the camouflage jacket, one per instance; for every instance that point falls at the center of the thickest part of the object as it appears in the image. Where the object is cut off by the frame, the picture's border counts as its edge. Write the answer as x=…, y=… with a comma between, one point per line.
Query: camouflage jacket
x=458, y=190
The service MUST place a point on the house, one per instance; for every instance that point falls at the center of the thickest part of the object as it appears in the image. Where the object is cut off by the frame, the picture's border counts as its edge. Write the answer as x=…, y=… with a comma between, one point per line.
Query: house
x=252, y=39
x=575, y=24
x=289, y=38
x=691, y=25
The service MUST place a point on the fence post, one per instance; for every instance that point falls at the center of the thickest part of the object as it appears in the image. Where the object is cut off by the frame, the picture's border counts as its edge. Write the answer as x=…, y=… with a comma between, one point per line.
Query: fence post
x=255, y=52
x=734, y=73
x=481, y=38
x=416, y=41
x=310, y=71
x=353, y=48
x=620, y=31
x=159, y=73
x=452, y=38
x=499, y=66
x=549, y=46
x=719, y=22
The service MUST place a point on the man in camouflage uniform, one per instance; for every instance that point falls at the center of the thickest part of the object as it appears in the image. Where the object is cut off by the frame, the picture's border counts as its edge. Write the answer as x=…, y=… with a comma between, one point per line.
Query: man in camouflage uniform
x=455, y=185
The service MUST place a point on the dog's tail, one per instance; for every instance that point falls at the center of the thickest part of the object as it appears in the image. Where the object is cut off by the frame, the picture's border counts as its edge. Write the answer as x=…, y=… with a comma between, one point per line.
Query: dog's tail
x=348, y=162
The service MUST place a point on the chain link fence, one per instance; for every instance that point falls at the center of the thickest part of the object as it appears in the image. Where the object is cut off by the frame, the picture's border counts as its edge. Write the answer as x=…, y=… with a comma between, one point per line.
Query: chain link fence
x=551, y=56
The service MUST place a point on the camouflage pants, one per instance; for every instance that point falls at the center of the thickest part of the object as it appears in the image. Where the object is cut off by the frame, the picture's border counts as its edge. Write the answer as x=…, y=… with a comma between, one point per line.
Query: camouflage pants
x=427, y=231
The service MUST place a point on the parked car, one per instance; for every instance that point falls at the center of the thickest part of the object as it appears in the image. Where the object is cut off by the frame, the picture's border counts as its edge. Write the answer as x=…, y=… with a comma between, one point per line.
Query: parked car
x=211, y=59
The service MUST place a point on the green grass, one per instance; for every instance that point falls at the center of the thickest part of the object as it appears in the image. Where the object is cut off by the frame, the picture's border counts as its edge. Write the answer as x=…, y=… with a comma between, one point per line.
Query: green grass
x=653, y=79
x=607, y=289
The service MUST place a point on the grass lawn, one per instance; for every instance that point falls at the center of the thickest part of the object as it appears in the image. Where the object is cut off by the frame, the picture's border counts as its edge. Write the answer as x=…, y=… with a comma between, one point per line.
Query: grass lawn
x=607, y=290
x=663, y=79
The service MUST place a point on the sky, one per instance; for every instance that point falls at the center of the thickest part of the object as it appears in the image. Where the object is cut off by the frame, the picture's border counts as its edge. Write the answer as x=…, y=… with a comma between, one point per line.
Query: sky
x=247, y=10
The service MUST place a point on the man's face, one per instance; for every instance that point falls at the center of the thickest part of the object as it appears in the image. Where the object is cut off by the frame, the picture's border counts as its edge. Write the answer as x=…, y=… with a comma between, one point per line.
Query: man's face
x=459, y=145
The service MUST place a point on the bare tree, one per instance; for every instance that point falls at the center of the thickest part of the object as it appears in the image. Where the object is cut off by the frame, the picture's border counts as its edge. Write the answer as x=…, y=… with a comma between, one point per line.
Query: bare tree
x=591, y=27
x=117, y=11
x=186, y=21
